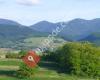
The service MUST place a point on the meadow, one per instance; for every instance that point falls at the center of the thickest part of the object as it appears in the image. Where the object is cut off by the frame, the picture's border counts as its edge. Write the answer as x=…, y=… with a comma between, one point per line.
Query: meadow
x=47, y=71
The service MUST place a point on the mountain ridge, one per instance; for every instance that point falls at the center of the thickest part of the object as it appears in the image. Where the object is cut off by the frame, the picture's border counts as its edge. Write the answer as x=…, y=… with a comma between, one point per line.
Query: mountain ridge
x=74, y=28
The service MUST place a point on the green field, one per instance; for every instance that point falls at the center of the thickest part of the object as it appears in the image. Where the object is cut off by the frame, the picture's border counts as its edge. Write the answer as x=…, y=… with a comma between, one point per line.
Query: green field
x=47, y=71
x=10, y=62
x=26, y=43
x=37, y=41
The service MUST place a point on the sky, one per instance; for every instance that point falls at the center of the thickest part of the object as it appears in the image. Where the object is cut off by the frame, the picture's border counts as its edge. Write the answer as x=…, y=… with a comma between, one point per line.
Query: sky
x=28, y=12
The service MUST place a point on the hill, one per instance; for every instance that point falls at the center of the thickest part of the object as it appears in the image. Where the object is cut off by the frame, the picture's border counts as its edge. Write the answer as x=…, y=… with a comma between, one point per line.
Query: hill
x=75, y=29
x=44, y=26
x=12, y=33
x=94, y=38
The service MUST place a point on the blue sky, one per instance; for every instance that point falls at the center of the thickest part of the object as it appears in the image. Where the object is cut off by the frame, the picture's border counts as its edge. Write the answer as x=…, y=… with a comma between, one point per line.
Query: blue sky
x=28, y=12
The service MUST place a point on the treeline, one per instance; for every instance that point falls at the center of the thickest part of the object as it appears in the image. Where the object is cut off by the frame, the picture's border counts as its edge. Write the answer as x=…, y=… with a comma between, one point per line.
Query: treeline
x=82, y=59
x=18, y=55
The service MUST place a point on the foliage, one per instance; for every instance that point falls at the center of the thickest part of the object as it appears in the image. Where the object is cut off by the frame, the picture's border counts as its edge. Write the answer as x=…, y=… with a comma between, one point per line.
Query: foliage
x=79, y=58
x=48, y=56
x=12, y=55
x=22, y=53
x=26, y=71
x=16, y=55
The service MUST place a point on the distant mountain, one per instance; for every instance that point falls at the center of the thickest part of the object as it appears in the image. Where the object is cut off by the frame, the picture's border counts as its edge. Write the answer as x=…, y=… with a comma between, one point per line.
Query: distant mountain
x=94, y=38
x=12, y=33
x=9, y=22
x=10, y=29
x=79, y=28
x=75, y=29
x=44, y=26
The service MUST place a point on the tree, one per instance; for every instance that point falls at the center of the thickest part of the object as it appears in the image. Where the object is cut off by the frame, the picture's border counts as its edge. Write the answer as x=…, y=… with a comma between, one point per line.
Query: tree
x=79, y=58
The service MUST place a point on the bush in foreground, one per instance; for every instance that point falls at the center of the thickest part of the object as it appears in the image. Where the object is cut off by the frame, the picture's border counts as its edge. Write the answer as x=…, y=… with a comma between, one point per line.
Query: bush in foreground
x=26, y=72
x=79, y=58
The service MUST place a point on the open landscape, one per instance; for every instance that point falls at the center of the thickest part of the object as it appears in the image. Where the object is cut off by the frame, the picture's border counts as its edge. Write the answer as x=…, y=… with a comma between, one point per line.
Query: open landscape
x=49, y=40
x=15, y=40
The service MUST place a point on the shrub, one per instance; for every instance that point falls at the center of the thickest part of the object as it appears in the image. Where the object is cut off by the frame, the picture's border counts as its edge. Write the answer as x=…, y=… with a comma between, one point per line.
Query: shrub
x=22, y=53
x=48, y=56
x=79, y=58
x=26, y=72
x=12, y=55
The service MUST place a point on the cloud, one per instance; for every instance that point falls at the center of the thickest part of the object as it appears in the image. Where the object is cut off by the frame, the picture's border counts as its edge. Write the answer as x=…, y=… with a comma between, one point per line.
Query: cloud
x=28, y=2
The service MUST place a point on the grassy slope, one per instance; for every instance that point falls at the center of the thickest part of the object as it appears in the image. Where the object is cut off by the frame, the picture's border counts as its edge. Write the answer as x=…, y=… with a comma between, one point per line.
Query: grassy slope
x=37, y=41
x=28, y=43
x=34, y=41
